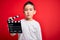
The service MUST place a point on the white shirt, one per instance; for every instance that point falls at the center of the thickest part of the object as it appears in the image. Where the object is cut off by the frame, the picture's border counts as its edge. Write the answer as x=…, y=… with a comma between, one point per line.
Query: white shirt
x=31, y=30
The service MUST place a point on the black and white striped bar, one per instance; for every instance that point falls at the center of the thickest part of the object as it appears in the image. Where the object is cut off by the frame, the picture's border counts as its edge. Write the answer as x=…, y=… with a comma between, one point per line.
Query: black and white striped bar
x=12, y=18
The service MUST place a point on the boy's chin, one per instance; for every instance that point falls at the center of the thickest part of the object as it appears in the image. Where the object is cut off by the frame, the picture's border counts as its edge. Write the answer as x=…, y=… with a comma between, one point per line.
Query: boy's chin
x=28, y=17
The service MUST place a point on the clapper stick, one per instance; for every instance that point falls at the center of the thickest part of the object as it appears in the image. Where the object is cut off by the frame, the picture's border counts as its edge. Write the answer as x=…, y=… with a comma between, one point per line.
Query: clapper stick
x=14, y=26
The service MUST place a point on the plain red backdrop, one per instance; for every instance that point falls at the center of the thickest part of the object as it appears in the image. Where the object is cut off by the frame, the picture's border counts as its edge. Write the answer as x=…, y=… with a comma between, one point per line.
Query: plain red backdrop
x=47, y=15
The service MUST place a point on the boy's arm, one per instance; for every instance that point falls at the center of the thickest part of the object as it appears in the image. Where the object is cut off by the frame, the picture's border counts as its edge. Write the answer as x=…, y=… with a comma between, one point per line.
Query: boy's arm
x=39, y=33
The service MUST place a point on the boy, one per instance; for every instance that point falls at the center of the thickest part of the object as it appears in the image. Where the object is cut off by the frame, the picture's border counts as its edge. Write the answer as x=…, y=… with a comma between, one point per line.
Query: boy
x=30, y=27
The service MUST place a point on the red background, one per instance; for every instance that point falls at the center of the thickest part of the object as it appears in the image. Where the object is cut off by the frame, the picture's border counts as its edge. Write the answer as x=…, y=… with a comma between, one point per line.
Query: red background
x=47, y=14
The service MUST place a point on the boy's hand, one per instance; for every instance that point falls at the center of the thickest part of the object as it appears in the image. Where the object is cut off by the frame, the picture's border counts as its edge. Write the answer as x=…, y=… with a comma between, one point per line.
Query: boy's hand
x=13, y=34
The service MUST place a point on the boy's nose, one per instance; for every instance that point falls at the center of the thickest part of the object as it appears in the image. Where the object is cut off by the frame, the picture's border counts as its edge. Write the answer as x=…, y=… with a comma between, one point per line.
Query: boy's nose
x=28, y=12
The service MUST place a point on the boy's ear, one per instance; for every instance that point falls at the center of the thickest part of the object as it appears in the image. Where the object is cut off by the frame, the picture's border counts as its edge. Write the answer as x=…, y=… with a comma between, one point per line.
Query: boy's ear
x=34, y=11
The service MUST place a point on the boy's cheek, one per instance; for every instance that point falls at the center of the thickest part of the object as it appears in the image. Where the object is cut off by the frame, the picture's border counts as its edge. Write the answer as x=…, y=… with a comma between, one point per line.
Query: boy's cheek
x=25, y=13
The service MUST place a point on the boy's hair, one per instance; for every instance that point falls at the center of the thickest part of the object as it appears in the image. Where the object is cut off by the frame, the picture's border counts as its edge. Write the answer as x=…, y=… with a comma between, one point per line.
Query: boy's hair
x=29, y=3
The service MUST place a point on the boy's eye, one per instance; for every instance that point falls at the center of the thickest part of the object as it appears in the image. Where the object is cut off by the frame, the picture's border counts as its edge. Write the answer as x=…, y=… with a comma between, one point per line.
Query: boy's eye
x=30, y=9
x=26, y=9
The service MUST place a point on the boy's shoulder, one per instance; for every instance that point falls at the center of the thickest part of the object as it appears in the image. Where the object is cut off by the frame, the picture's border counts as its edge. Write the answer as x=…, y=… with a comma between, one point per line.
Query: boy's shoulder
x=34, y=21
x=21, y=19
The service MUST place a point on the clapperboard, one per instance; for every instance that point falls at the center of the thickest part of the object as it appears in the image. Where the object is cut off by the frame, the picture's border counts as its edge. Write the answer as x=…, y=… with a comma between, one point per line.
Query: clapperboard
x=14, y=26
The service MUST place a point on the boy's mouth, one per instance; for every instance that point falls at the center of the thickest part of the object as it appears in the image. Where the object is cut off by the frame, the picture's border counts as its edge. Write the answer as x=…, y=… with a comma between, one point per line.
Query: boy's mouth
x=28, y=15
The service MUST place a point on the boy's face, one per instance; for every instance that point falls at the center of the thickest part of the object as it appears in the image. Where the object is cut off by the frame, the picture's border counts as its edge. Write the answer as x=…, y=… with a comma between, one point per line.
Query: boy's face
x=29, y=11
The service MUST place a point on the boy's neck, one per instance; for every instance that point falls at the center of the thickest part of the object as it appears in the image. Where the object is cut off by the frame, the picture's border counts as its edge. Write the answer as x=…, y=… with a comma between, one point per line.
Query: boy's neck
x=29, y=19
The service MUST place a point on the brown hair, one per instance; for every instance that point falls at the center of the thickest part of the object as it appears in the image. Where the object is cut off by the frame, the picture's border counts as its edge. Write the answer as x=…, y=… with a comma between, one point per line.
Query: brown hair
x=29, y=3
